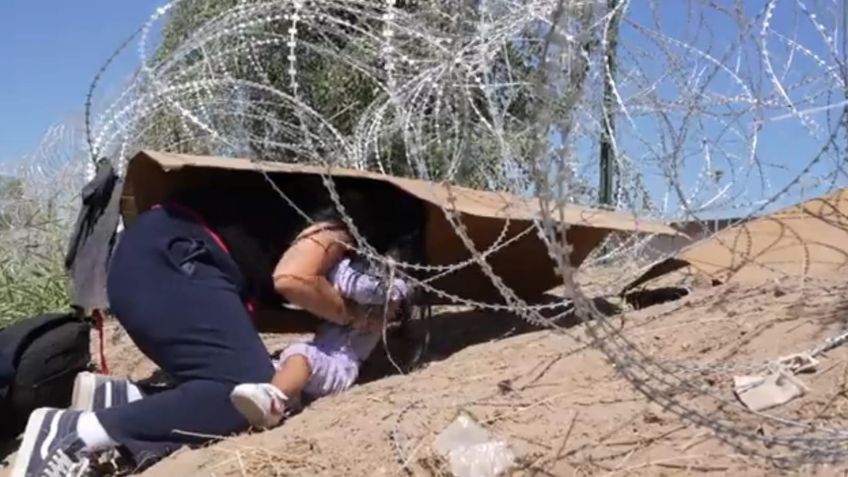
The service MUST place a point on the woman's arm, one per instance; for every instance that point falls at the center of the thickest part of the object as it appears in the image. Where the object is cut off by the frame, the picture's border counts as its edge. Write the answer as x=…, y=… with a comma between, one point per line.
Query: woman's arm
x=300, y=275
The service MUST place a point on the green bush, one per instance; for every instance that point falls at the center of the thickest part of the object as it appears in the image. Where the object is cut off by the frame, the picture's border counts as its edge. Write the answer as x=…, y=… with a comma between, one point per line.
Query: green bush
x=32, y=276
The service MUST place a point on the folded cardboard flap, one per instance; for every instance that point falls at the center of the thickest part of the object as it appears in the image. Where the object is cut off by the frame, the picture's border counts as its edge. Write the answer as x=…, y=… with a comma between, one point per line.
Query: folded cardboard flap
x=489, y=218
x=806, y=239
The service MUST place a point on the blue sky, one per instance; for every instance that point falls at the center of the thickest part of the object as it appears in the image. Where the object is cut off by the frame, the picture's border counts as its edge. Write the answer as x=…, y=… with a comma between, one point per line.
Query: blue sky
x=49, y=53
x=784, y=147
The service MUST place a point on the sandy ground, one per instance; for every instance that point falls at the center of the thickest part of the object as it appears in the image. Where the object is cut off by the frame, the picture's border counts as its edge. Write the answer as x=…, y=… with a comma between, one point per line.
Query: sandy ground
x=560, y=404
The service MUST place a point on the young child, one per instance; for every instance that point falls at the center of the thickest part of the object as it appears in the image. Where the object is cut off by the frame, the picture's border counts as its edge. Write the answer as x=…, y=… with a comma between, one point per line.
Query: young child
x=330, y=363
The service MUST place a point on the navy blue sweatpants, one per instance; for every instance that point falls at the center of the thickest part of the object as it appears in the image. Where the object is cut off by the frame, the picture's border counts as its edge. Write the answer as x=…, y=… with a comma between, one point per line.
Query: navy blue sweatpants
x=180, y=297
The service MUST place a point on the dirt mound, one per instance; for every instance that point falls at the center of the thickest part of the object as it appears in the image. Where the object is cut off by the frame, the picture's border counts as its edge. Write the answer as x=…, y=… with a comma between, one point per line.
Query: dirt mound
x=557, y=401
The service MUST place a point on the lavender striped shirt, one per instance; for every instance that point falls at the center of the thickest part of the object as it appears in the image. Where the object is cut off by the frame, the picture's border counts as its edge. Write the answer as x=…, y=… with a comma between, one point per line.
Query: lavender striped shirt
x=355, y=283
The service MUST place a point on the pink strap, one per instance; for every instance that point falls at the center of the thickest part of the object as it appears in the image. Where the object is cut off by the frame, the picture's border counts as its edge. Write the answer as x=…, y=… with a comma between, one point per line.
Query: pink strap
x=250, y=304
x=101, y=337
x=197, y=218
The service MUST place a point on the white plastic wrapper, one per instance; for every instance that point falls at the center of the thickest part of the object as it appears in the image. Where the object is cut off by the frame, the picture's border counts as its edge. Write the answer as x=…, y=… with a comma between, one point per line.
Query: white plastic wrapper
x=471, y=451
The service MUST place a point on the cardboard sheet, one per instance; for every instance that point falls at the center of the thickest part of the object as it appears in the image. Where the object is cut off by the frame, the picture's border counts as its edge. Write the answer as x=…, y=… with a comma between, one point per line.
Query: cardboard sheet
x=809, y=239
x=524, y=265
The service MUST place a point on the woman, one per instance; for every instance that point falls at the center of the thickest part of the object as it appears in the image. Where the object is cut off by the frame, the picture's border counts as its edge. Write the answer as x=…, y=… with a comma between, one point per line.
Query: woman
x=182, y=283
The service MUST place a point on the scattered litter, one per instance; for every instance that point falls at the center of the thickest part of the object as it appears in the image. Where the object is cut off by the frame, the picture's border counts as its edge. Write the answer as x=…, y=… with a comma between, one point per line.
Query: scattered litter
x=778, y=386
x=798, y=363
x=761, y=392
x=471, y=451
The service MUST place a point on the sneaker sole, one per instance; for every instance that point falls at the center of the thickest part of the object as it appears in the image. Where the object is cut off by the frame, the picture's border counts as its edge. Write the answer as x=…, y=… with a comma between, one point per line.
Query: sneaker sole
x=33, y=429
x=82, y=398
x=249, y=409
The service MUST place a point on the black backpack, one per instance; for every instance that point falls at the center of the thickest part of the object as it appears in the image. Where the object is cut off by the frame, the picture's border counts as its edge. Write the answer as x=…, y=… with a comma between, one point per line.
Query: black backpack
x=45, y=353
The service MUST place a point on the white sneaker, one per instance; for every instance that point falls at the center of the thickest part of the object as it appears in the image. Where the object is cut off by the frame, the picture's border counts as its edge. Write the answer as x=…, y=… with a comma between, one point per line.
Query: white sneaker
x=94, y=392
x=263, y=405
x=51, y=446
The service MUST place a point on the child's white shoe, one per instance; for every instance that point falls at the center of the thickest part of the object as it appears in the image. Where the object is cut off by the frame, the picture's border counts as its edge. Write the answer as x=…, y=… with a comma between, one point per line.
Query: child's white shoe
x=261, y=404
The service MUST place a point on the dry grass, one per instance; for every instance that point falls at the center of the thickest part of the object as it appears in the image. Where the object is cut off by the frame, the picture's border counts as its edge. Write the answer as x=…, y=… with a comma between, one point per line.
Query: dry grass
x=558, y=404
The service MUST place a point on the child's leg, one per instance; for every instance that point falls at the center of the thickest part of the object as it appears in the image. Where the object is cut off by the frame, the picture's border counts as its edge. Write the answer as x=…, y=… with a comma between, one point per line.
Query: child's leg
x=265, y=404
x=293, y=375
x=328, y=365
x=319, y=368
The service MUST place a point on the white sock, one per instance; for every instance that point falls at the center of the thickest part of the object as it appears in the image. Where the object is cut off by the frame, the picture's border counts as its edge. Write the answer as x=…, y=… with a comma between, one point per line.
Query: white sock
x=133, y=393
x=93, y=434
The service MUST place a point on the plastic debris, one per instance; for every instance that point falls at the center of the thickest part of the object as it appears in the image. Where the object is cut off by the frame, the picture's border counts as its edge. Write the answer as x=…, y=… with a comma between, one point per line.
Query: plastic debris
x=798, y=363
x=471, y=451
x=759, y=393
x=778, y=386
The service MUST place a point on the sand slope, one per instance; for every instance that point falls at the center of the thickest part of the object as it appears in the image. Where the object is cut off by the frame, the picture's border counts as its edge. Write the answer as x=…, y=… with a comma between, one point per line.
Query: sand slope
x=558, y=402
